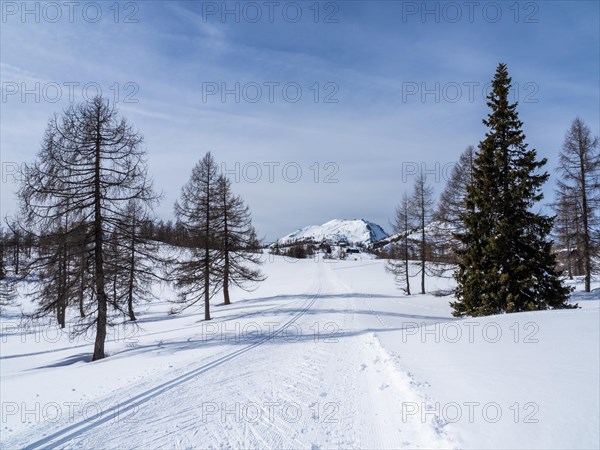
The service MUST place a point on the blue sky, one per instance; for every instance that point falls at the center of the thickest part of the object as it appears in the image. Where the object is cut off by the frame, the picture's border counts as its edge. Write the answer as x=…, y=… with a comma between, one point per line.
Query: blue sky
x=385, y=87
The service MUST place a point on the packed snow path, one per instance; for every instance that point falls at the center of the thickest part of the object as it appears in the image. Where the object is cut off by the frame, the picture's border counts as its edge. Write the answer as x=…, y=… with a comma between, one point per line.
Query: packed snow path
x=317, y=358
x=298, y=376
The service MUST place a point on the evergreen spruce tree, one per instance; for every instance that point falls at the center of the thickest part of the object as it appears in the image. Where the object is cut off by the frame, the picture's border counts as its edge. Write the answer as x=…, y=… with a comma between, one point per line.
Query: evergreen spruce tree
x=505, y=258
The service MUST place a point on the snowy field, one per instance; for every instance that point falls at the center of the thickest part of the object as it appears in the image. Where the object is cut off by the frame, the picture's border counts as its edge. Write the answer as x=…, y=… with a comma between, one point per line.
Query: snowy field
x=324, y=354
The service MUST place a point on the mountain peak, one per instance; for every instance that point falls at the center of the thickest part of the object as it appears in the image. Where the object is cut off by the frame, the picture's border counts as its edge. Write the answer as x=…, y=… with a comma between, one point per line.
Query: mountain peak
x=352, y=231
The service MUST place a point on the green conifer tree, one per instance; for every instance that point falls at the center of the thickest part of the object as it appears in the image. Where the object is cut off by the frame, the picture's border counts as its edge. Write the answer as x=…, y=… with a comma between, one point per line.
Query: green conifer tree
x=505, y=260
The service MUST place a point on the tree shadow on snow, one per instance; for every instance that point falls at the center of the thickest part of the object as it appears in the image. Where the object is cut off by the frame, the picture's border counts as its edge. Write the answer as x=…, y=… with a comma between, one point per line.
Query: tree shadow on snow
x=80, y=357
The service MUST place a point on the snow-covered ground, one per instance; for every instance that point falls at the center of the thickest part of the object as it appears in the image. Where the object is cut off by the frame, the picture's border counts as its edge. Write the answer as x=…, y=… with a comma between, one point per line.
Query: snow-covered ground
x=324, y=354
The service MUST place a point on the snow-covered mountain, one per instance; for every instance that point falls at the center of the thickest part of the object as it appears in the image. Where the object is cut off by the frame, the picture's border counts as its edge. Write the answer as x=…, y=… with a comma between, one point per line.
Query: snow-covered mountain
x=355, y=231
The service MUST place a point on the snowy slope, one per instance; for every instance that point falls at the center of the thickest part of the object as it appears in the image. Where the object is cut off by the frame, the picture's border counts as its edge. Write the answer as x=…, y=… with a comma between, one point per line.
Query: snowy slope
x=435, y=232
x=324, y=354
x=356, y=231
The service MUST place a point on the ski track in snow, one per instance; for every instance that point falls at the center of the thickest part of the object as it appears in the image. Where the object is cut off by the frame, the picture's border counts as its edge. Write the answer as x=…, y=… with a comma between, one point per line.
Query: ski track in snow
x=331, y=389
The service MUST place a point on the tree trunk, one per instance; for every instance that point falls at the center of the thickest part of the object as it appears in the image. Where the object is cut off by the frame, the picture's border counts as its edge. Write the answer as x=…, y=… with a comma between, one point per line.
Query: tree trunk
x=62, y=313
x=114, y=285
x=406, y=249
x=62, y=285
x=99, y=260
x=406, y=267
x=226, y=279
x=81, y=282
x=206, y=284
x=207, y=259
x=569, y=250
x=130, y=306
x=17, y=253
x=586, y=232
x=131, y=277
x=226, y=251
x=423, y=240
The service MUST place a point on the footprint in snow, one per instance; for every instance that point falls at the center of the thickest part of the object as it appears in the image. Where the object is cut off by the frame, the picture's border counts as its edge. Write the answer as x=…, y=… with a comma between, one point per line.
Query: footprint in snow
x=323, y=394
x=363, y=367
x=383, y=386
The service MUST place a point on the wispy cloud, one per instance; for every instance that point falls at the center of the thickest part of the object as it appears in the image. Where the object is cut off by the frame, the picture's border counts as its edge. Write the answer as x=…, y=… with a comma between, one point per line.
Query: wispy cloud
x=172, y=51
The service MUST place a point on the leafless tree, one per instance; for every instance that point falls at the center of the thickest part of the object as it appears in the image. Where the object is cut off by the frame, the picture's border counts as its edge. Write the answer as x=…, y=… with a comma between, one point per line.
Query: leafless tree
x=422, y=204
x=7, y=287
x=579, y=187
x=91, y=165
x=15, y=243
x=198, y=273
x=135, y=260
x=399, y=255
x=567, y=228
x=239, y=242
x=452, y=199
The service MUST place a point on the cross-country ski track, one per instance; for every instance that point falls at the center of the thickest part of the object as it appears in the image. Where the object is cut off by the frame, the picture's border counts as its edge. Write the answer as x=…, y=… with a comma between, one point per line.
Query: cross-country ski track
x=328, y=358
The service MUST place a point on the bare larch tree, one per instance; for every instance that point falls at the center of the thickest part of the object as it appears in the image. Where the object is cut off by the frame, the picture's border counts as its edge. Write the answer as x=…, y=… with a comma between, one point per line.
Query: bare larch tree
x=398, y=264
x=579, y=186
x=422, y=204
x=91, y=164
x=238, y=241
x=198, y=273
x=451, y=203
